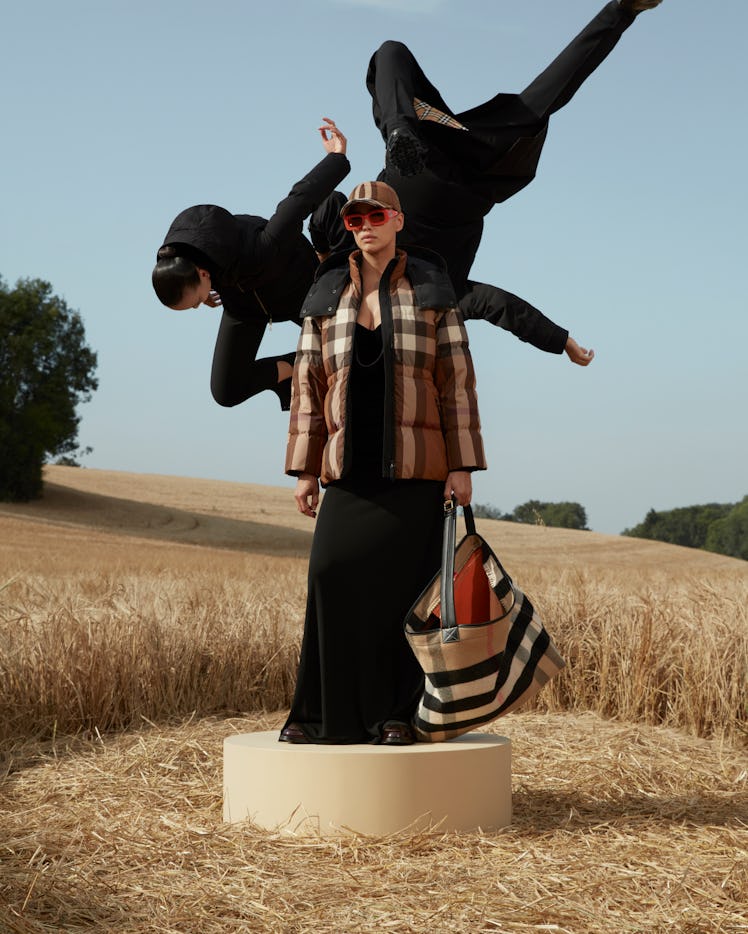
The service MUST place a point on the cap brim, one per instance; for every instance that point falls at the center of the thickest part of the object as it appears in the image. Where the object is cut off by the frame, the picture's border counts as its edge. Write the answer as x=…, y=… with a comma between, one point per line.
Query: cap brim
x=362, y=201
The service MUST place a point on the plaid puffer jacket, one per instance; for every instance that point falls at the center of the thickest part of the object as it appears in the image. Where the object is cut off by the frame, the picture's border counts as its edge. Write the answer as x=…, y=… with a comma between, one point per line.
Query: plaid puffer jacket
x=432, y=425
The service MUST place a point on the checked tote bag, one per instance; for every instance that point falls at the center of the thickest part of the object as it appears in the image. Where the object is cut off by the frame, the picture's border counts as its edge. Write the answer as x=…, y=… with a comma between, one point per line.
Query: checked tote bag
x=481, y=645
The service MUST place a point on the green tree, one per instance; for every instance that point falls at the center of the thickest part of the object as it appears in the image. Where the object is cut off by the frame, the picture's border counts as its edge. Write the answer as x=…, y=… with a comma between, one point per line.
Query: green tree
x=686, y=525
x=564, y=515
x=729, y=535
x=46, y=369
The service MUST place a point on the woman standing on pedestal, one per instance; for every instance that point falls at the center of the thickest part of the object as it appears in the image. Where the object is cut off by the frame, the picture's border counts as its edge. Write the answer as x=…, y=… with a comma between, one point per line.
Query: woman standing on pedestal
x=384, y=412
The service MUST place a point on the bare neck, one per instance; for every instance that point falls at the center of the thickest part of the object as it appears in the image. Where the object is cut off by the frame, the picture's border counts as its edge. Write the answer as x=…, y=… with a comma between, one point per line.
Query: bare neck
x=373, y=267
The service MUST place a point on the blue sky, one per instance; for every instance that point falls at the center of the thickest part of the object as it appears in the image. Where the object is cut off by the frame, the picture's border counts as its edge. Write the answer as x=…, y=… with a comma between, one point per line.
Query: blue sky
x=117, y=116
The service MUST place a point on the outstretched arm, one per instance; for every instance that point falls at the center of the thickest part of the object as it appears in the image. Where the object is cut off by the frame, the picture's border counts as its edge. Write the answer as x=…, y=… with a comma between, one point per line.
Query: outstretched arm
x=503, y=309
x=288, y=219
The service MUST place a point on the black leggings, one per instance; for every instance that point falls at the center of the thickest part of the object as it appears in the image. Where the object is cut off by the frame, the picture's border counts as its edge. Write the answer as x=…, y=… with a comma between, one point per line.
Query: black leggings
x=237, y=374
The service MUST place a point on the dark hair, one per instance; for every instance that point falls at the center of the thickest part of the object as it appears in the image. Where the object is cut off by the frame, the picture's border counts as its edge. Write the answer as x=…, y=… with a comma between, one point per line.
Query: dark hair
x=172, y=274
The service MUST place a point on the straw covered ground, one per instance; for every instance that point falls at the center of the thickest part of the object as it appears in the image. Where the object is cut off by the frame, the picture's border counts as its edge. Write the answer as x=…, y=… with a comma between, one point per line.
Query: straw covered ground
x=142, y=619
x=617, y=827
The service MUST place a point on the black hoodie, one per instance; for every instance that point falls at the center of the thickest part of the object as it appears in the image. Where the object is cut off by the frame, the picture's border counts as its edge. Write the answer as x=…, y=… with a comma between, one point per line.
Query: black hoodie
x=261, y=268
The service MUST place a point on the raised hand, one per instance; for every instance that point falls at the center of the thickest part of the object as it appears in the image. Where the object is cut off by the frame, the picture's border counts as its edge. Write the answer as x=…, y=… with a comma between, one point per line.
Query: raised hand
x=332, y=139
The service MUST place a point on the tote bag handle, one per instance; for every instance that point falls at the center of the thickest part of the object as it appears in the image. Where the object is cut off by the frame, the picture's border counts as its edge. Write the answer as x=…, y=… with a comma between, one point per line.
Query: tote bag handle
x=450, y=630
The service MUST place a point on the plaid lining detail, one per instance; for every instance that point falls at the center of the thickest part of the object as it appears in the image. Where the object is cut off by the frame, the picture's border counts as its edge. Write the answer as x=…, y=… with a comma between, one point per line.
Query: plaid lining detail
x=425, y=111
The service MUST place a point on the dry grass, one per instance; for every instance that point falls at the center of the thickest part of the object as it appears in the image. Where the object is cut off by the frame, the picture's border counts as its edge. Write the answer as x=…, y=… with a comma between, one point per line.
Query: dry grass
x=617, y=828
x=94, y=653
x=112, y=612
x=100, y=653
x=98, y=630
x=673, y=654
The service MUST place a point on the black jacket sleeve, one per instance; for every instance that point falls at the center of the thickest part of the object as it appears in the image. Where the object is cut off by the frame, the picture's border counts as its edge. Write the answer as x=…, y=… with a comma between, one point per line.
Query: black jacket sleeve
x=287, y=222
x=508, y=311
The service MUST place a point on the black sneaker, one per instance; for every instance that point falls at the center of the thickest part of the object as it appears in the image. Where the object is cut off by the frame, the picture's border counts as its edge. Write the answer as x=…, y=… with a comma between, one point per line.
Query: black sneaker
x=283, y=391
x=405, y=152
x=283, y=388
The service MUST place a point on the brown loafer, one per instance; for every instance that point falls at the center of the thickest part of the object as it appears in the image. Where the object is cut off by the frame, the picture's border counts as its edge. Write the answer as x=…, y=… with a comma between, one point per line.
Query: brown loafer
x=292, y=734
x=397, y=733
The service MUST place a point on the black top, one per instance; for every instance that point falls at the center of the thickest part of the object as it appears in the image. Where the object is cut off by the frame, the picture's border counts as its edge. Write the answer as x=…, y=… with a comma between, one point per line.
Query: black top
x=367, y=402
x=450, y=224
x=455, y=245
x=444, y=215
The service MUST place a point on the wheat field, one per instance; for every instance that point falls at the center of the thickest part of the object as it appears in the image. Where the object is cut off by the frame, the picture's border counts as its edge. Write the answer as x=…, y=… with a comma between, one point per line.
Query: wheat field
x=143, y=618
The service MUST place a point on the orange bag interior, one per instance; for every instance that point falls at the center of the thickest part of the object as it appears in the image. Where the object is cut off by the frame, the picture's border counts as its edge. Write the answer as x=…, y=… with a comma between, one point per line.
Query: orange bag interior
x=472, y=593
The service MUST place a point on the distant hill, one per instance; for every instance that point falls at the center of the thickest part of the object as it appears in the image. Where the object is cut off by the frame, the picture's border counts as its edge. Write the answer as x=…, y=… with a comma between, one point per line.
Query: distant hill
x=85, y=505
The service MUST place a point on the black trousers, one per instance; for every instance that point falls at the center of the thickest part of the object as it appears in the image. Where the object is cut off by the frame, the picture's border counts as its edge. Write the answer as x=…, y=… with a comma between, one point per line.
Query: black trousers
x=499, y=153
x=237, y=374
x=468, y=171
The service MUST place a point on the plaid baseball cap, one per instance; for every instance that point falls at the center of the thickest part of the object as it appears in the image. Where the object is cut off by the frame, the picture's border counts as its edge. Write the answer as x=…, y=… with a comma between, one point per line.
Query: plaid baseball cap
x=374, y=194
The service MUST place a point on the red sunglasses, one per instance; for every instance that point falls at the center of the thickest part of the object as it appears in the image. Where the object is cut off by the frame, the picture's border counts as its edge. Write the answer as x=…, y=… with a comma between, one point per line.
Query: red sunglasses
x=376, y=218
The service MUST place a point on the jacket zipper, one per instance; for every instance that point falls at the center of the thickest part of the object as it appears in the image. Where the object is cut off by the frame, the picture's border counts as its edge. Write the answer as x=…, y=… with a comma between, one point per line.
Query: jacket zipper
x=388, y=344
x=348, y=437
x=262, y=305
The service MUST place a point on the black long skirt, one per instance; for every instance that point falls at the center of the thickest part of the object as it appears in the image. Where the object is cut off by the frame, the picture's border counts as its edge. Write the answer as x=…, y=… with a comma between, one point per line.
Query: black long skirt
x=376, y=545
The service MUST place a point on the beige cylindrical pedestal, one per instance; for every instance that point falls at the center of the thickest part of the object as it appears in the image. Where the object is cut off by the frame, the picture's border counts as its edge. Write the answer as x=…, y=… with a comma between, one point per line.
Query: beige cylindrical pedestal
x=464, y=784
